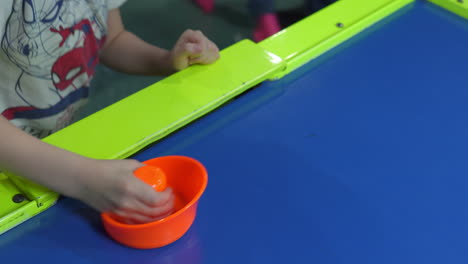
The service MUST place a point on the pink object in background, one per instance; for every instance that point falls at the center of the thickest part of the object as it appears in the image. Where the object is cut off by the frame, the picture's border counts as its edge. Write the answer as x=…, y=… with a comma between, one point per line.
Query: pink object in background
x=267, y=25
x=206, y=5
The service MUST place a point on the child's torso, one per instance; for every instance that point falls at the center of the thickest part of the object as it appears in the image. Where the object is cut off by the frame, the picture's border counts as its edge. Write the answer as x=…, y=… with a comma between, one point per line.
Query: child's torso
x=49, y=50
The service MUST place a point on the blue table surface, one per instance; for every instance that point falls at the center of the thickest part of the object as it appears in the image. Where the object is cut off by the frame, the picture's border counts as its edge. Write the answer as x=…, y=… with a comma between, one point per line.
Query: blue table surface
x=358, y=157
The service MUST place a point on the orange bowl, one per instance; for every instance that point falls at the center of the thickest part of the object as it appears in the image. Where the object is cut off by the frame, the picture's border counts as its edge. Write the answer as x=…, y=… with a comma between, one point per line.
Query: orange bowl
x=188, y=178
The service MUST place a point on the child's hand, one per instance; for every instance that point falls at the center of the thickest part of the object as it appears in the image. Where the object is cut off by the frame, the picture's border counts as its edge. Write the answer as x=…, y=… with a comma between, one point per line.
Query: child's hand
x=111, y=187
x=193, y=48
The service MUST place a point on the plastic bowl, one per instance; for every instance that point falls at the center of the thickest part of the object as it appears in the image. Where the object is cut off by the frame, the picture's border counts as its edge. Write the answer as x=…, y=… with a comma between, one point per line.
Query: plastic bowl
x=188, y=178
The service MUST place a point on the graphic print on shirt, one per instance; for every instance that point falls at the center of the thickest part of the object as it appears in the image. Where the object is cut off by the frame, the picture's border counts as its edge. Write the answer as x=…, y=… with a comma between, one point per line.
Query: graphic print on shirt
x=55, y=44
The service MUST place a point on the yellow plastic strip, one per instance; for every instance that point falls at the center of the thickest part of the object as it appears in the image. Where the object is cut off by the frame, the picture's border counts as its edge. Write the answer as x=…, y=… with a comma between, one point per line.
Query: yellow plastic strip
x=326, y=29
x=459, y=7
x=140, y=119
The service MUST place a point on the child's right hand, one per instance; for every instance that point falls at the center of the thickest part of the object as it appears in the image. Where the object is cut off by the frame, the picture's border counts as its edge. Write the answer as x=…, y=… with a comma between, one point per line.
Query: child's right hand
x=106, y=185
x=110, y=186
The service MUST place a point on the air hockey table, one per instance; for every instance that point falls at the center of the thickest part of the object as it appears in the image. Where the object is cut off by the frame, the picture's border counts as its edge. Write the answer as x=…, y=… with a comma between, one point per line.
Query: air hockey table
x=342, y=139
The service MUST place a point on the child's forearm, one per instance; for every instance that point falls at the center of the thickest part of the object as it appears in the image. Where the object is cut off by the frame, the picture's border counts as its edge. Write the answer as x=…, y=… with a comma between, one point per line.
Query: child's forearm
x=106, y=185
x=127, y=53
x=31, y=158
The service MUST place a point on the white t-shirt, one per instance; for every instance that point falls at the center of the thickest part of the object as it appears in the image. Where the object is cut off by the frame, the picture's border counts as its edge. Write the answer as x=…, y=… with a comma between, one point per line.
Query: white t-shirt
x=48, y=55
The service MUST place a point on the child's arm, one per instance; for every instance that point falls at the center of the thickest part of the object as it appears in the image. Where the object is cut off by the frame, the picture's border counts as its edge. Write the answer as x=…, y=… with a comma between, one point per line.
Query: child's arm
x=106, y=185
x=126, y=52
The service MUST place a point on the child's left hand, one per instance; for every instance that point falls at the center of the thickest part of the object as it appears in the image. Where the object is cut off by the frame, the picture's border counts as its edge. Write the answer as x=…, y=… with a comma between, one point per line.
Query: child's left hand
x=193, y=48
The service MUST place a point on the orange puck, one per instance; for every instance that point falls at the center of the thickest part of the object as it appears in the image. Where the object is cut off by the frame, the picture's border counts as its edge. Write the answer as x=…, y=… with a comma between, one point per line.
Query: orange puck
x=153, y=176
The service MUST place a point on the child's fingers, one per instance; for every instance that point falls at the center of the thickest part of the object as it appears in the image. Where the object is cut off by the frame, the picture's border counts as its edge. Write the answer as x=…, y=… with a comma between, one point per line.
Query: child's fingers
x=152, y=198
x=196, y=40
x=130, y=217
x=162, y=210
x=145, y=193
x=135, y=210
x=192, y=50
x=214, y=51
x=193, y=36
x=202, y=56
x=137, y=207
x=128, y=165
x=209, y=55
x=189, y=43
x=204, y=59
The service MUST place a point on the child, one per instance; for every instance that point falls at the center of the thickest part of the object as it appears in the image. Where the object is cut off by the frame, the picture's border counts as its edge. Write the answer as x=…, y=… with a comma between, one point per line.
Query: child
x=48, y=55
x=263, y=11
